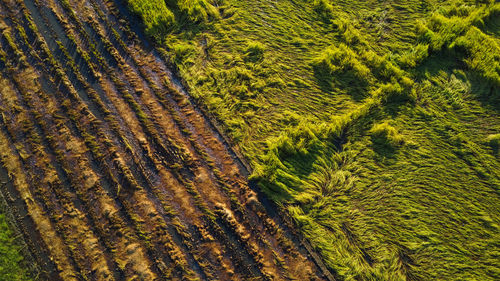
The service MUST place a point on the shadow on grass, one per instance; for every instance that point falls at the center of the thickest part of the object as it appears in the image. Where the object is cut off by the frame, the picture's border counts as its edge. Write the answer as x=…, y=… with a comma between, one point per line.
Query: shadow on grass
x=347, y=80
x=382, y=146
x=450, y=62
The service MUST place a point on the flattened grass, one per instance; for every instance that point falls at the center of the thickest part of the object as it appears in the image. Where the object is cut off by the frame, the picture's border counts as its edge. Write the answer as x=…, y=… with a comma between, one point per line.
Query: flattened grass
x=374, y=124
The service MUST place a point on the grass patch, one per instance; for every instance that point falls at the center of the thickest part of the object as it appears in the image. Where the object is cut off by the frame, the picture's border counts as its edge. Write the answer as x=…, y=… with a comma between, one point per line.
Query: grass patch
x=340, y=65
x=385, y=138
x=494, y=142
x=155, y=15
x=11, y=260
x=254, y=52
x=197, y=10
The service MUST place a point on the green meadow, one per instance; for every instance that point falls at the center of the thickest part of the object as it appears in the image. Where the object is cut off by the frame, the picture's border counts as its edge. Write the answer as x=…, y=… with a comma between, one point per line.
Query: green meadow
x=375, y=125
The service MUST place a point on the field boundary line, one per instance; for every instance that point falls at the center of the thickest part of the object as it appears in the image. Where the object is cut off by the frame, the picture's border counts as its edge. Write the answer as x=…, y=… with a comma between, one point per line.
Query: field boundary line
x=181, y=85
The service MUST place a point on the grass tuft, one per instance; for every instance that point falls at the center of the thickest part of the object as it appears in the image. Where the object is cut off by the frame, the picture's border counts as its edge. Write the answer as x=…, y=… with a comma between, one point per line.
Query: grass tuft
x=341, y=66
x=494, y=142
x=254, y=52
x=198, y=11
x=385, y=138
x=155, y=15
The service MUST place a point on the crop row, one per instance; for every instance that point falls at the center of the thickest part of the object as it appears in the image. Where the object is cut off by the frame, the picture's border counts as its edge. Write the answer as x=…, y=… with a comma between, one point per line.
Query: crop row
x=124, y=176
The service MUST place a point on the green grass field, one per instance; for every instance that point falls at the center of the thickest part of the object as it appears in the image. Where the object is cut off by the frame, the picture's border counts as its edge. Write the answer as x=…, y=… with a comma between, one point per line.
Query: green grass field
x=375, y=124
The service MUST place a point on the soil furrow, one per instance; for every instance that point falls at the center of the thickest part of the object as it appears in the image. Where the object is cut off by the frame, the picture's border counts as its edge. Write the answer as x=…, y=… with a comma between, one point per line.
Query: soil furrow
x=139, y=182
